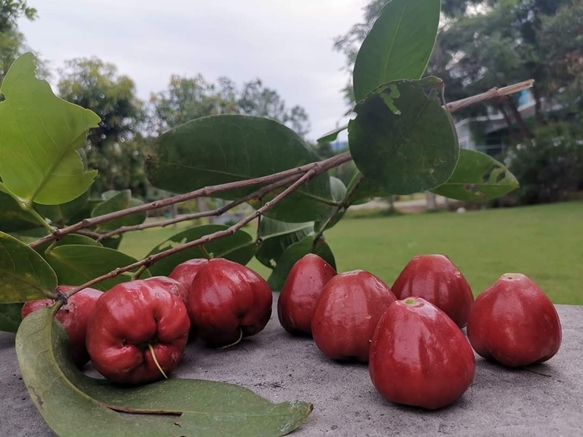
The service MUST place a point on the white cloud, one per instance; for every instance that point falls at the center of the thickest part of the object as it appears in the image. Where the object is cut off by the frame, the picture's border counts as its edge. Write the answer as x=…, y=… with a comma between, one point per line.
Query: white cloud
x=286, y=43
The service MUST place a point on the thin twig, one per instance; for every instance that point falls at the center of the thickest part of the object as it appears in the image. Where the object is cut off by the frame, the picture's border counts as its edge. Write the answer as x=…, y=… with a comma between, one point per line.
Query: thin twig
x=492, y=94
x=148, y=261
x=343, y=205
x=325, y=165
x=91, y=234
x=213, y=213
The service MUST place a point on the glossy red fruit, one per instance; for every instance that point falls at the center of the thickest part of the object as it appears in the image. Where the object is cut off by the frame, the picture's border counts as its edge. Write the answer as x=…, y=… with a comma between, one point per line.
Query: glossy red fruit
x=186, y=271
x=419, y=356
x=131, y=320
x=74, y=317
x=515, y=323
x=171, y=285
x=437, y=280
x=346, y=315
x=300, y=293
x=228, y=302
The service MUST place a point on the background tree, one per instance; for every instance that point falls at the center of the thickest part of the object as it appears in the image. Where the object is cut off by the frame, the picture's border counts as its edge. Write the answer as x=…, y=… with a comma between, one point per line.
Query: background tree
x=188, y=98
x=12, y=42
x=483, y=44
x=116, y=148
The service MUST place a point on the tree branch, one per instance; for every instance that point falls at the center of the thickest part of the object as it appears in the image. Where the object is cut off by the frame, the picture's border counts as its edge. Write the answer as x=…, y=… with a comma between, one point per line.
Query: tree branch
x=213, y=213
x=148, y=261
x=325, y=165
x=493, y=94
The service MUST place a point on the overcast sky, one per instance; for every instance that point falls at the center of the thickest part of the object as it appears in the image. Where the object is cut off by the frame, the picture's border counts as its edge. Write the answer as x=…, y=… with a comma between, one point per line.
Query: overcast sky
x=286, y=43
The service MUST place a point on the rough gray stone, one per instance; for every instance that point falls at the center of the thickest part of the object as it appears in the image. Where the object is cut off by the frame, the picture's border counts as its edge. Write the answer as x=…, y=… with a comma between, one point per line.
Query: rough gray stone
x=501, y=402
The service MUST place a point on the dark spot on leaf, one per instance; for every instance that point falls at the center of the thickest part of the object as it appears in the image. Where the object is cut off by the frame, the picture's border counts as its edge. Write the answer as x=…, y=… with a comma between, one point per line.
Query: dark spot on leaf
x=177, y=424
x=2, y=97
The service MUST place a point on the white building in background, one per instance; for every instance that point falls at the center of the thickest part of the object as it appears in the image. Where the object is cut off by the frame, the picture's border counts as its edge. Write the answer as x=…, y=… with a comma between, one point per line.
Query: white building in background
x=490, y=133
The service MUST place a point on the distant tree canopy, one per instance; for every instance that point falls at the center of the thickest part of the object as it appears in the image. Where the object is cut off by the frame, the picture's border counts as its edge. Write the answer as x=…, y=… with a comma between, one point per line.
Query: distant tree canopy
x=188, y=98
x=12, y=42
x=116, y=148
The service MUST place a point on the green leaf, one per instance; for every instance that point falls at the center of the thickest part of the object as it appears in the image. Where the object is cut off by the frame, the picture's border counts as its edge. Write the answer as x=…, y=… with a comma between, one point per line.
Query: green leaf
x=118, y=202
x=398, y=46
x=293, y=254
x=65, y=213
x=332, y=135
x=40, y=133
x=24, y=274
x=174, y=407
x=66, y=241
x=230, y=148
x=76, y=264
x=402, y=137
x=366, y=189
x=10, y=317
x=477, y=177
x=277, y=236
x=112, y=242
x=13, y=218
x=338, y=194
x=238, y=247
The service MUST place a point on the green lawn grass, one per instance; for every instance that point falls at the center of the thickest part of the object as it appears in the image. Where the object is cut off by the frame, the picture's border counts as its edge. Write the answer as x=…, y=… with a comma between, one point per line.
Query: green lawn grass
x=543, y=242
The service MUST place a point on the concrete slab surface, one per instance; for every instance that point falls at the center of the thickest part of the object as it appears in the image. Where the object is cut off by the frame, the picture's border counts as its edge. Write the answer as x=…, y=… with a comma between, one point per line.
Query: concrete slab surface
x=501, y=402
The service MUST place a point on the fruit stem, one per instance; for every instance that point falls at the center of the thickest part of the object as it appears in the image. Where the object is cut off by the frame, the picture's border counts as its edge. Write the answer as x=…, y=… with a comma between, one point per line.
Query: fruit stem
x=205, y=252
x=156, y=360
x=139, y=272
x=235, y=343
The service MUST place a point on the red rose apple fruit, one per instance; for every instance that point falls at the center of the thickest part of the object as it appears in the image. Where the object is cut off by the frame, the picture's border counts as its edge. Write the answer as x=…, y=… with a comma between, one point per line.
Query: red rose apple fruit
x=437, y=280
x=300, y=293
x=171, y=285
x=74, y=317
x=347, y=313
x=419, y=356
x=228, y=301
x=137, y=332
x=186, y=271
x=515, y=323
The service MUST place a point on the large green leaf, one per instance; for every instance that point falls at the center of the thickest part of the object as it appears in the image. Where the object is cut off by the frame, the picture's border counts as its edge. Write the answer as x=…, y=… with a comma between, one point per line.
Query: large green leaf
x=12, y=217
x=367, y=189
x=66, y=213
x=277, y=237
x=398, y=46
x=403, y=138
x=39, y=135
x=76, y=264
x=72, y=403
x=477, y=177
x=24, y=274
x=338, y=194
x=230, y=148
x=10, y=317
x=293, y=254
x=117, y=202
x=238, y=247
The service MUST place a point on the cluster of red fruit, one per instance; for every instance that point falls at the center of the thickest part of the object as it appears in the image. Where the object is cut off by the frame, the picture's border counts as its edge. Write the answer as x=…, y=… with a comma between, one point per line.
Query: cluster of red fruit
x=137, y=331
x=411, y=335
